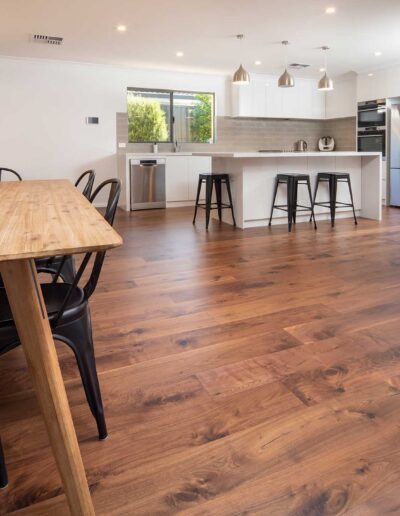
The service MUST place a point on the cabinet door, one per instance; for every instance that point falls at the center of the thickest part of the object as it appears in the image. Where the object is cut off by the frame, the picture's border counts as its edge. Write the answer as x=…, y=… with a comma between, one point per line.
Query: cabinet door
x=273, y=98
x=242, y=100
x=176, y=174
x=197, y=165
x=259, y=98
x=318, y=101
x=342, y=101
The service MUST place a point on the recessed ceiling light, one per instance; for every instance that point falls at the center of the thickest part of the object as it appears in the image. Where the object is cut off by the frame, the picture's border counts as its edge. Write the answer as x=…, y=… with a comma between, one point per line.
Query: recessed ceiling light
x=121, y=28
x=330, y=10
x=377, y=53
x=179, y=54
x=322, y=69
x=370, y=75
x=257, y=63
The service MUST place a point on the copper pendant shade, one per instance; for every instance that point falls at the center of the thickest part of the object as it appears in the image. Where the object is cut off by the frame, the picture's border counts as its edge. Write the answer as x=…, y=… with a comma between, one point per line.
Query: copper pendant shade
x=286, y=80
x=241, y=76
x=325, y=83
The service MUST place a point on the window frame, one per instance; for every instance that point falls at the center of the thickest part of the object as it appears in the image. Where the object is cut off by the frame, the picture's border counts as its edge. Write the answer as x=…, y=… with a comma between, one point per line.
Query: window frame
x=171, y=113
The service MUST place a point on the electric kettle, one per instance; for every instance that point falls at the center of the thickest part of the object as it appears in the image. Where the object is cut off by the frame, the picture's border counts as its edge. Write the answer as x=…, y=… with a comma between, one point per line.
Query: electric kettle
x=300, y=146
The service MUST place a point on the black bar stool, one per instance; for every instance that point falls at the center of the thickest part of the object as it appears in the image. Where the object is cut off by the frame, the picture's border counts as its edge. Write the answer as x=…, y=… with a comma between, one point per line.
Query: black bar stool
x=333, y=178
x=292, y=181
x=218, y=180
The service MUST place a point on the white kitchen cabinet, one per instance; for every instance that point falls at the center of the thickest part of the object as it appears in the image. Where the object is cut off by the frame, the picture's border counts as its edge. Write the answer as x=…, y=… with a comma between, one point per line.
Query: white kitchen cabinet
x=382, y=84
x=177, y=178
x=182, y=175
x=263, y=98
x=197, y=165
x=342, y=101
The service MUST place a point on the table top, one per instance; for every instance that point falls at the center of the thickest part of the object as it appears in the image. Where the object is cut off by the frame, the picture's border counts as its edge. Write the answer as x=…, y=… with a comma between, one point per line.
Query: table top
x=46, y=218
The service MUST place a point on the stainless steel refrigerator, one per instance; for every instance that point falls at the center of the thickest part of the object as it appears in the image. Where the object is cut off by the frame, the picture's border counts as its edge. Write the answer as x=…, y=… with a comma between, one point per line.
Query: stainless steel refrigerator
x=394, y=154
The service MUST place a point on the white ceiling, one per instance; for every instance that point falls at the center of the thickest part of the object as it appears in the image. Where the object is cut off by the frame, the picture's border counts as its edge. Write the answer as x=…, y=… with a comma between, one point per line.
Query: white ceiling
x=205, y=31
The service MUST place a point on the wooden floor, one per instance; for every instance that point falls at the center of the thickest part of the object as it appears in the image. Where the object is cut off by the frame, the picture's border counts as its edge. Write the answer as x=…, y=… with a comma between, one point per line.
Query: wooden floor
x=243, y=372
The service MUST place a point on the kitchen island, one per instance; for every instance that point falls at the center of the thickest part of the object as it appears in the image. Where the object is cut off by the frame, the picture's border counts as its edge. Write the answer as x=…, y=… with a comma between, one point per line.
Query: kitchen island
x=253, y=174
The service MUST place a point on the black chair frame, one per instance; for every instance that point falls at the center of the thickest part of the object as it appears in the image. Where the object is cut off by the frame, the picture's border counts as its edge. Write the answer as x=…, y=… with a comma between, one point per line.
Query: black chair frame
x=333, y=178
x=87, y=190
x=292, y=207
x=4, y=169
x=208, y=205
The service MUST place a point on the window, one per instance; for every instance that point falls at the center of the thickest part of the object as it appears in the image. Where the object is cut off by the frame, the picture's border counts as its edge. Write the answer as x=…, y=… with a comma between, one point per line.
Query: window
x=168, y=116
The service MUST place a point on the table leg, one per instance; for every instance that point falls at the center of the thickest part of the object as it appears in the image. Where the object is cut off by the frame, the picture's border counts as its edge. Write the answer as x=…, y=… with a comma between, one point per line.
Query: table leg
x=29, y=312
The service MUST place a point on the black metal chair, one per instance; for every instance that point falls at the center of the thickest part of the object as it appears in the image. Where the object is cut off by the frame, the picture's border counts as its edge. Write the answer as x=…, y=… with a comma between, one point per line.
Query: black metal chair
x=11, y=171
x=69, y=315
x=218, y=180
x=333, y=179
x=3, y=469
x=292, y=207
x=87, y=190
x=51, y=264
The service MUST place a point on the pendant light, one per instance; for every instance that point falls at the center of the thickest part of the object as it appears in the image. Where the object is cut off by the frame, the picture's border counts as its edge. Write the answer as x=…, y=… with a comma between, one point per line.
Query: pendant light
x=325, y=83
x=286, y=80
x=241, y=76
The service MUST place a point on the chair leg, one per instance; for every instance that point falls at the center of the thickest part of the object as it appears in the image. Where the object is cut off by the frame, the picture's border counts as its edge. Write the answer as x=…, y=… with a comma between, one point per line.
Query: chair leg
x=197, y=199
x=312, y=202
x=3, y=469
x=352, y=201
x=273, y=200
x=294, y=208
x=209, y=189
x=228, y=188
x=314, y=199
x=68, y=271
x=290, y=188
x=332, y=198
x=78, y=336
x=218, y=193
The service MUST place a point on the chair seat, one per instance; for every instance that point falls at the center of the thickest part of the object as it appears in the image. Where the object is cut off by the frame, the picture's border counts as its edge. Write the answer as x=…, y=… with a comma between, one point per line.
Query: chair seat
x=299, y=177
x=54, y=295
x=206, y=175
x=338, y=175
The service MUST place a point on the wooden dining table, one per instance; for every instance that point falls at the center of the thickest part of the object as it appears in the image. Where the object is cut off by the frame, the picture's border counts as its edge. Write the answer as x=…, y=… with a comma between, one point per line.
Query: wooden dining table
x=37, y=219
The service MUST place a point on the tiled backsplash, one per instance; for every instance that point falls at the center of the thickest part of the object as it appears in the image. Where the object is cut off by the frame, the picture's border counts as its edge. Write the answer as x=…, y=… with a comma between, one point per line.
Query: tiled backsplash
x=255, y=134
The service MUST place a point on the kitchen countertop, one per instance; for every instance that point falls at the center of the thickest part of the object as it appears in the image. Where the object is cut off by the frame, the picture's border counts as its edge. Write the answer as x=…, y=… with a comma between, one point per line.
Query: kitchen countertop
x=235, y=154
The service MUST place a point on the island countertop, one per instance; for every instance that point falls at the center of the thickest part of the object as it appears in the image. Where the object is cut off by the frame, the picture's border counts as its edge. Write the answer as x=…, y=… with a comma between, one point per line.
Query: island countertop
x=252, y=176
x=257, y=154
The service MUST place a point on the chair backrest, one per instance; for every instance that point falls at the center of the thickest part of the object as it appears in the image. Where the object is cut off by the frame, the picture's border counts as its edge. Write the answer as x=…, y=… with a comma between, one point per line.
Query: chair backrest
x=90, y=176
x=12, y=172
x=89, y=288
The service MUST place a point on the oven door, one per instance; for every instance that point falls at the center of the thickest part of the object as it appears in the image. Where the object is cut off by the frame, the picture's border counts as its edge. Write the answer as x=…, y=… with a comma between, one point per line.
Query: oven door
x=373, y=117
x=373, y=141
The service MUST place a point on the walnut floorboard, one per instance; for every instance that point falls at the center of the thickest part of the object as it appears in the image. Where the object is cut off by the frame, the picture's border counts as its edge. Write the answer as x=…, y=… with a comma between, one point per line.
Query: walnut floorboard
x=243, y=372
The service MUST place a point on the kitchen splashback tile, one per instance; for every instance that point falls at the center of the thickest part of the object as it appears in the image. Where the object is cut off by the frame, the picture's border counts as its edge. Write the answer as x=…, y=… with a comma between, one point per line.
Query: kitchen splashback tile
x=252, y=134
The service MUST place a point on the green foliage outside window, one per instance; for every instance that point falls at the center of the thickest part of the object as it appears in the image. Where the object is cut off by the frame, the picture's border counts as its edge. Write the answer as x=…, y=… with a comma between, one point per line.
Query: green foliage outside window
x=147, y=121
x=201, y=123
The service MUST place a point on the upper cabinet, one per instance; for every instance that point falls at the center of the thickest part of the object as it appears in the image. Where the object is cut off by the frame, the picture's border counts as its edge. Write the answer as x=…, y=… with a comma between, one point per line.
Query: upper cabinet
x=381, y=84
x=262, y=98
x=341, y=102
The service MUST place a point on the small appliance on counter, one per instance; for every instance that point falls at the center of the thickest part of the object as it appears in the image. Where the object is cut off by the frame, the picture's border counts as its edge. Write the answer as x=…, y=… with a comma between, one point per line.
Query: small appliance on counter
x=326, y=144
x=300, y=146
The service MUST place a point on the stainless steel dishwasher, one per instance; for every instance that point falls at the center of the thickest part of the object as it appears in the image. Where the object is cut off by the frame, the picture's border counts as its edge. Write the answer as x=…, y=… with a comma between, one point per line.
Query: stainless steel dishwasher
x=147, y=184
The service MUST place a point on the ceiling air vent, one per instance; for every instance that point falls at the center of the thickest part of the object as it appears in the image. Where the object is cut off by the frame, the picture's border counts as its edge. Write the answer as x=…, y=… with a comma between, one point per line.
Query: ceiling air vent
x=298, y=66
x=47, y=40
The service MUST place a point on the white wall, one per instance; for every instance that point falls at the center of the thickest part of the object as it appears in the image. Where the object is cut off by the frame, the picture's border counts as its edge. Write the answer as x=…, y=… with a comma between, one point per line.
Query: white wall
x=43, y=106
x=382, y=84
